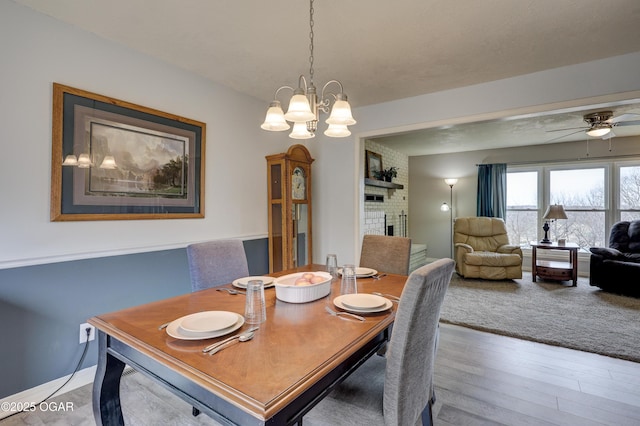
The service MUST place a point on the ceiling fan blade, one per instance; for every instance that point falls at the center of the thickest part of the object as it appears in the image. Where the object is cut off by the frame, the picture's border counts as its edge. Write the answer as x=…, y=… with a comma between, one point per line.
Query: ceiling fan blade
x=627, y=123
x=564, y=130
x=623, y=117
x=564, y=136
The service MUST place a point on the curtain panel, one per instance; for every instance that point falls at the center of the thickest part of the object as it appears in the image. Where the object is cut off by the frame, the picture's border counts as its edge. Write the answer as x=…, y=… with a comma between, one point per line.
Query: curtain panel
x=492, y=190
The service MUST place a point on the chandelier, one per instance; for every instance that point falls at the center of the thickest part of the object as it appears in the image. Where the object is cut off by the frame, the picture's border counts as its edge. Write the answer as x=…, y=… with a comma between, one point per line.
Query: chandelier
x=305, y=106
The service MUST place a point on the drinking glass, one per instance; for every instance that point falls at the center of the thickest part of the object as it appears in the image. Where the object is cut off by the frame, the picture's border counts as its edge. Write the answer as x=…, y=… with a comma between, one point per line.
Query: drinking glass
x=348, y=284
x=332, y=265
x=255, y=311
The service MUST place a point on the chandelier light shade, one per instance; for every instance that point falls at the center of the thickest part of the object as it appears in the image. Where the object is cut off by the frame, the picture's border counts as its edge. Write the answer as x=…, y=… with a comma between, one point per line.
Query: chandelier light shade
x=108, y=163
x=275, y=118
x=84, y=162
x=300, y=131
x=70, y=160
x=305, y=105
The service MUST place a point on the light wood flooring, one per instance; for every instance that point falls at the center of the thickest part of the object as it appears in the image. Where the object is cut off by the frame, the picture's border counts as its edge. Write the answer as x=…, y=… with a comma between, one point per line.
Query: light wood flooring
x=481, y=379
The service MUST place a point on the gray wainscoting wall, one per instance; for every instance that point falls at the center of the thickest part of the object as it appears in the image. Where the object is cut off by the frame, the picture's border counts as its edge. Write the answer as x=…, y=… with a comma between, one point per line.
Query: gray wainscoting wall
x=42, y=307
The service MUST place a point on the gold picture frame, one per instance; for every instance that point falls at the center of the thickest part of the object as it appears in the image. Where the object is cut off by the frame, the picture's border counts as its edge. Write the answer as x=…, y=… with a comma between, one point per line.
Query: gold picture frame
x=115, y=160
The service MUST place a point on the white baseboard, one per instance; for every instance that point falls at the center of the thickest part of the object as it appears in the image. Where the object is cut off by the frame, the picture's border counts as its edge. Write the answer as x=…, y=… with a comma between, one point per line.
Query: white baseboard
x=38, y=393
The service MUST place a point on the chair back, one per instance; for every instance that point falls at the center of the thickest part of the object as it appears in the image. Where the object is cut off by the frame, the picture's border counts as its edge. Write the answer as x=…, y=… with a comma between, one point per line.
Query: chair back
x=386, y=253
x=410, y=357
x=481, y=233
x=625, y=236
x=215, y=263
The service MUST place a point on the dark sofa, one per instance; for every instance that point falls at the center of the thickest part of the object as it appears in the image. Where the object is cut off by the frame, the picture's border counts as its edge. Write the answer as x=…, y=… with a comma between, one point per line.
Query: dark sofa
x=617, y=269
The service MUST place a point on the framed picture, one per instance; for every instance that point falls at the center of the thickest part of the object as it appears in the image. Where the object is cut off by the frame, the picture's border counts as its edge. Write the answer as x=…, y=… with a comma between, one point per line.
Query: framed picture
x=114, y=160
x=373, y=164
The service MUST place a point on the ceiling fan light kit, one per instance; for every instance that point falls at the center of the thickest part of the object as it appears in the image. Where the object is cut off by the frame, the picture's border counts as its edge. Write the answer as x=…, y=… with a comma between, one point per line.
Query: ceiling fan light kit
x=305, y=107
x=601, y=124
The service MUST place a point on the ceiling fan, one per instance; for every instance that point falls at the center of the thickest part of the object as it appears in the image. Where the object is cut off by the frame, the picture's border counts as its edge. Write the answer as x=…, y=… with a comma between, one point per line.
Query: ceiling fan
x=600, y=124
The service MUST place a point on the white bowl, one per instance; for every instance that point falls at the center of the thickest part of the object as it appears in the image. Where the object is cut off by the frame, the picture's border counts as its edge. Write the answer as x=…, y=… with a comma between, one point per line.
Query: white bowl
x=287, y=291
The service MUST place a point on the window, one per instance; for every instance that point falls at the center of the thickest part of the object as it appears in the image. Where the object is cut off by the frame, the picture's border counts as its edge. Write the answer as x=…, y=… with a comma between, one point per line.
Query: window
x=582, y=193
x=629, y=196
x=522, y=207
x=594, y=196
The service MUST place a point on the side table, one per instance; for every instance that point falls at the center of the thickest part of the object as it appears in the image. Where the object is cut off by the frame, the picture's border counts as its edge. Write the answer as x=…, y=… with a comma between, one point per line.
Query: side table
x=553, y=270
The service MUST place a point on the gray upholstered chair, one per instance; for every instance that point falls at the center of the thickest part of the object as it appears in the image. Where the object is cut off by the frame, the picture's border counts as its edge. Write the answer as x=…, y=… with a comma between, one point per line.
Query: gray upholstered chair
x=396, y=390
x=386, y=253
x=215, y=263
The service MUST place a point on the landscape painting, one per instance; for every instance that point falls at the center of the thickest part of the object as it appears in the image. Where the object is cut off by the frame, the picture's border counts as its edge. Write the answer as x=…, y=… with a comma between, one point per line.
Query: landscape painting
x=113, y=160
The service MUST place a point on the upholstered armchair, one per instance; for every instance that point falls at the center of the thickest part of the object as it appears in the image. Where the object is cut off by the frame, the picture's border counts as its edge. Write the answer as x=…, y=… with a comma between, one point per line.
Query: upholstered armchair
x=482, y=249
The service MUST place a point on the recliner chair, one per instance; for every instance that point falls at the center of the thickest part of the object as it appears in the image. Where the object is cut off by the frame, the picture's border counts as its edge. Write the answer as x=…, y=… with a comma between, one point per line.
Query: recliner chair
x=482, y=249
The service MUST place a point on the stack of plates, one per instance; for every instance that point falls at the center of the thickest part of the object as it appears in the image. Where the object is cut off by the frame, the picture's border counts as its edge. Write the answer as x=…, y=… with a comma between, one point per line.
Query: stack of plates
x=362, y=272
x=242, y=282
x=205, y=325
x=362, y=303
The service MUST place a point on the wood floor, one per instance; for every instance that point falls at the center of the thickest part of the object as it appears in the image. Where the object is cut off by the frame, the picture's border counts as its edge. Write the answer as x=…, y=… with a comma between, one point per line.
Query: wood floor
x=481, y=379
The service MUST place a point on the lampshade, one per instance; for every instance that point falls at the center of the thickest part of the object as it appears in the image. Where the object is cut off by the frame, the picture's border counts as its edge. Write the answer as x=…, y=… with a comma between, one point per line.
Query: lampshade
x=445, y=207
x=299, y=110
x=70, y=160
x=337, y=131
x=274, y=120
x=84, y=162
x=341, y=114
x=451, y=181
x=108, y=163
x=300, y=131
x=555, y=211
x=599, y=131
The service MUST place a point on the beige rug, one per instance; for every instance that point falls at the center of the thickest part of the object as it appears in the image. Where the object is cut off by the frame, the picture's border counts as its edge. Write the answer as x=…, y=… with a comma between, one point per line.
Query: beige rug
x=582, y=317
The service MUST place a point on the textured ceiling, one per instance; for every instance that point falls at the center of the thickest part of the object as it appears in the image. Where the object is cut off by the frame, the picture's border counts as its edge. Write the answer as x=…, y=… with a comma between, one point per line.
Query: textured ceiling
x=379, y=50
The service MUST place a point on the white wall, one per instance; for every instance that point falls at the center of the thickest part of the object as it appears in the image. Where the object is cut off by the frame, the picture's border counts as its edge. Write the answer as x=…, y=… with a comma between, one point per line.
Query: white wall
x=37, y=51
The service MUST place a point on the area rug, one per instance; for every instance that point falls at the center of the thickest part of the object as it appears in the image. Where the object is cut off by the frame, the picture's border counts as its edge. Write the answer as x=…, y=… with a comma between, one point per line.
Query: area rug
x=583, y=317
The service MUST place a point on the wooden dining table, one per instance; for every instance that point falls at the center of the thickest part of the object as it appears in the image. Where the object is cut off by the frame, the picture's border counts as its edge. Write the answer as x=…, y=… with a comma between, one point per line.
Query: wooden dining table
x=298, y=355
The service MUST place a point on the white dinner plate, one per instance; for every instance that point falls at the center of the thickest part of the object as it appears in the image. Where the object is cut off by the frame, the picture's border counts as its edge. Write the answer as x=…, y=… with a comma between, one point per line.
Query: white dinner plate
x=208, y=321
x=242, y=282
x=174, y=330
x=338, y=302
x=362, y=272
x=362, y=301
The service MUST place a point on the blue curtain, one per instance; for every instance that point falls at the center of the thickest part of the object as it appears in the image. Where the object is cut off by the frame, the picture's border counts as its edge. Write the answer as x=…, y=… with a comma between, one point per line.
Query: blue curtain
x=492, y=190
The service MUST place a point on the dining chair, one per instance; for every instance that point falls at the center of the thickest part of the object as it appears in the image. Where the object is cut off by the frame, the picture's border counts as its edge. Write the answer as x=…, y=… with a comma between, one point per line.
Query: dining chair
x=386, y=253
x=215, y=263
x=395, y=390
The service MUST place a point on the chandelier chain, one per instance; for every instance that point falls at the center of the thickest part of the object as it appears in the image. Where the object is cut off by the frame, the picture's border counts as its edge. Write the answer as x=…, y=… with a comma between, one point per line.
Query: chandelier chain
x=311, y=41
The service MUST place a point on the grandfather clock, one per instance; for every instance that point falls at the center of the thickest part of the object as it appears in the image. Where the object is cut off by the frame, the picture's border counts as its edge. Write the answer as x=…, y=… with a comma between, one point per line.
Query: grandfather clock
x=289, y=193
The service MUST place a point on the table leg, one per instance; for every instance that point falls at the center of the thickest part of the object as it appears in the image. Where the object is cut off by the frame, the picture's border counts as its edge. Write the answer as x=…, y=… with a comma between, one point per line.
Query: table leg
x=534, y=262
x=106, y=386
x=574, y=267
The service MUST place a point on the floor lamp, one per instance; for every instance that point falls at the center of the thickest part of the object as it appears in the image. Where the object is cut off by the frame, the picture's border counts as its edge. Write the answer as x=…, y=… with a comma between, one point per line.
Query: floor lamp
x=449, y=208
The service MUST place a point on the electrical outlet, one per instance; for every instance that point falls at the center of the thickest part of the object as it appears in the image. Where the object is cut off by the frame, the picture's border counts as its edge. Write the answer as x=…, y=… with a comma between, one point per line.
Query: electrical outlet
x=83, y=332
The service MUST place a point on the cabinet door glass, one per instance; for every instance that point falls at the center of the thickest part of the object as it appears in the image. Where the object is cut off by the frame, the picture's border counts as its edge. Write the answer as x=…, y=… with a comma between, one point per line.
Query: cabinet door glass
x=276, y=180
x=276, y=237
x=301, y=234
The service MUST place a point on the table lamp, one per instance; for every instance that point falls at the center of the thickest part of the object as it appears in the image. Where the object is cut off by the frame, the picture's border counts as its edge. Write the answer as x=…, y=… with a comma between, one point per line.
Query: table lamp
x=554, y=212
